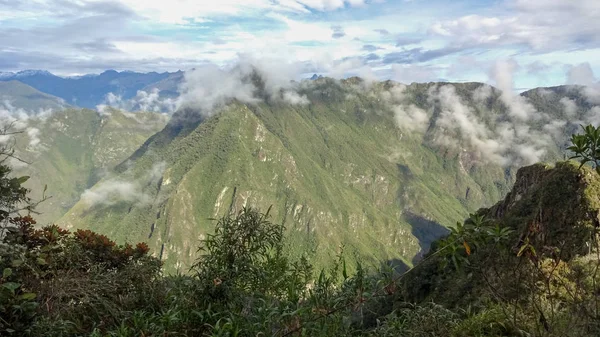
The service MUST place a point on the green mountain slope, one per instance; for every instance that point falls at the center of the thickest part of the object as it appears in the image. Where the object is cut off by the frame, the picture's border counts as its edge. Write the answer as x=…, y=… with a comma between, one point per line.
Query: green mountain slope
x=73, y=149
x=22, y=96
x=344, y=170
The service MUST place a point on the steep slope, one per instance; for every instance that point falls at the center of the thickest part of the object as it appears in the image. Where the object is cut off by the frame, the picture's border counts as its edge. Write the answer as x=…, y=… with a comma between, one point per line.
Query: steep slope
x=87, y=91
x=349, y=168
x=71, y=150
x=543, y=270
x=22, y=96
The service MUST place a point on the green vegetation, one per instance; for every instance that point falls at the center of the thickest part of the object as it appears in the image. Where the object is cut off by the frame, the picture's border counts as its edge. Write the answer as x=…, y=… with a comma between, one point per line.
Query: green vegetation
x=586, y=146
x=533, y=256
x=77, y=148
x=337, y=171
x=528, y=266
x=354, y=198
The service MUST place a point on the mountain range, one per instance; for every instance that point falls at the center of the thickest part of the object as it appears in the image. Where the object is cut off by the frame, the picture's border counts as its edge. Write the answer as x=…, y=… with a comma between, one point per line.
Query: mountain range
x=88, y=91
x=378, y=169
x=381, y=171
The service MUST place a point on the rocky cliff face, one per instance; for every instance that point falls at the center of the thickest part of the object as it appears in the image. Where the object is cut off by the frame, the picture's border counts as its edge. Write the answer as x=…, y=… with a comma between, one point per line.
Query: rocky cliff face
x=552, y=206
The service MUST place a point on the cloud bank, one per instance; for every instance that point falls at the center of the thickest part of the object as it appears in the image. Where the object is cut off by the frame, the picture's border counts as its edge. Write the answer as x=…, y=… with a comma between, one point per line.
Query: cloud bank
x=143, y=101
x=19, y=120
x=113, y=190
x=249, y=81
x=582, y=74
x=514, y=134
x=507, y=143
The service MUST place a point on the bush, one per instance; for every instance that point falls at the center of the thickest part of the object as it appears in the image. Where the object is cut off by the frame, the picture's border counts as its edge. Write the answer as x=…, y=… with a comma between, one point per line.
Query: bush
x=425, y=320
x=79, y=280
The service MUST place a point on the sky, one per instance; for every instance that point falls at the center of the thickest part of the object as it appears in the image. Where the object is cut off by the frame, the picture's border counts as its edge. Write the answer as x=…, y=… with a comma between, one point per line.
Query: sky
x=544, y=42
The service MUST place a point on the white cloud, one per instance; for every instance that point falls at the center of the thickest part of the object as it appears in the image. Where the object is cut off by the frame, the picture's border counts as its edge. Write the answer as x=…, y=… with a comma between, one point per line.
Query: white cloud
x=582, y=74
x=569, y=106
x=299, y=31
x=33, y=134
x=19, y=120
x=593, y=116
x=407, y=116
x=411, y=118
x=113, y=190
x=143, y=101
x=502, y=74
x=541, y=25
x=153, y=102
x=461, y=127
x=394, y=95
x=482, y=93
x=184, y=10
x=555, y=129
x=294, y=98
x=209, y=87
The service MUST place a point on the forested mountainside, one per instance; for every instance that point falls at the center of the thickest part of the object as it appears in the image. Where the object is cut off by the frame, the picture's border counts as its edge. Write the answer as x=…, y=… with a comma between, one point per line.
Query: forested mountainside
x=69, y=151
x=527, y=266
x=381, y=169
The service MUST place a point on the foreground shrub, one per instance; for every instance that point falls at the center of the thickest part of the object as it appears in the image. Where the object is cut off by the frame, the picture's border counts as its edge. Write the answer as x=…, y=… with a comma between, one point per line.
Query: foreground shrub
x=78, y=281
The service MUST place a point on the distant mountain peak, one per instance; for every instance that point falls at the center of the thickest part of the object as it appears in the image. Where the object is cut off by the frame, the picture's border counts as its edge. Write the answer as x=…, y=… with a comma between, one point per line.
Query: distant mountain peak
x=76, y=77
x=33, y=72
x=88, y=91
x=4, y=75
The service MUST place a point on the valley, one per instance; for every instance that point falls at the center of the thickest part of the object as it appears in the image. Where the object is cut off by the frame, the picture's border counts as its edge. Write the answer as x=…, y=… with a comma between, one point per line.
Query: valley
x=378, y=170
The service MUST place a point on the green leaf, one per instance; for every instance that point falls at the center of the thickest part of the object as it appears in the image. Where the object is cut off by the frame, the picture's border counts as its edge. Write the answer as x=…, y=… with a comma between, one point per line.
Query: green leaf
x=522, y=249
x=12, y=286
x=41, y=261
x=6, y=273
x=532, y=250
x=22, y=179
x=455, y=262
x=28, y=296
